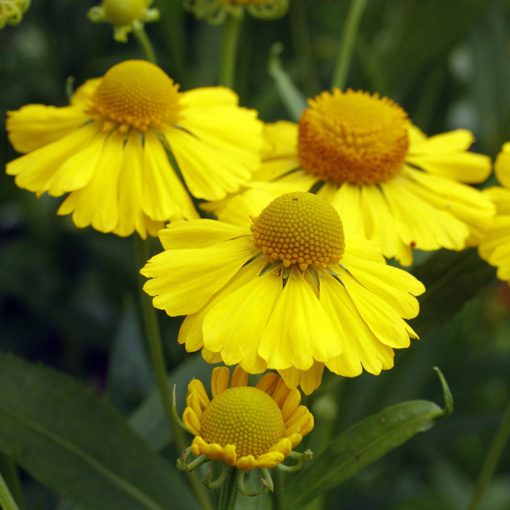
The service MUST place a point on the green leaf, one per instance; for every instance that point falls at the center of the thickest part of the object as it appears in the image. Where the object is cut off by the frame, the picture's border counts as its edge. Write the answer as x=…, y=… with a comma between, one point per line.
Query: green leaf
x=291, y=97
x=362, y=444
x=451, y=279
x=79, y=445
x=6, y=500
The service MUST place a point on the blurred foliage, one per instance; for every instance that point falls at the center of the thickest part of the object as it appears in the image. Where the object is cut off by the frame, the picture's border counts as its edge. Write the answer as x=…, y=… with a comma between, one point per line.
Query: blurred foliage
x=67, y=297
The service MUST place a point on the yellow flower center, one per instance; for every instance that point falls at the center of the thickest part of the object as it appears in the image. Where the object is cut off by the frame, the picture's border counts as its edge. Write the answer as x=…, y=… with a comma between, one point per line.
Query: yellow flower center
x=136, y=94
x=300, y=228
x=353, y=137
x=245, y=417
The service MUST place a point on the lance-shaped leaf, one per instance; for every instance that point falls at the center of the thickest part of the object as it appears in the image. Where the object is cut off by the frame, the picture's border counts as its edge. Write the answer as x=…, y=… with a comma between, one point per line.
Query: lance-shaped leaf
x=79, y=445
x=362, y=444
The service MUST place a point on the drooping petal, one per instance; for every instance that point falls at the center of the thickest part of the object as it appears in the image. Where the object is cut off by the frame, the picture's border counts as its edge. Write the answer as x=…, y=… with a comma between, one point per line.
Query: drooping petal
x=164, y=196
x=233, y=330
x=182, y=281
x=36, y=125
x=299, y=331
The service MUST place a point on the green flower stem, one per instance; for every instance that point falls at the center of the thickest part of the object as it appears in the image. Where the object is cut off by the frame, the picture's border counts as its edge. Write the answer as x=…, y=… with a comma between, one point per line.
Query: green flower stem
x=491, y=460
x=228, y=493
x=11, y=480
x=277, y=494
x=230, y=41
x=153, y=337
x=347, y=44
x=6, y=500
x=145, y=43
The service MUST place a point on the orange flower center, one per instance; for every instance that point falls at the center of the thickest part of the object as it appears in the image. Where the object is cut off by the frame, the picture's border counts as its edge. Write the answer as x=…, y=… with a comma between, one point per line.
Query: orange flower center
x=300, y=228
x=353, y=137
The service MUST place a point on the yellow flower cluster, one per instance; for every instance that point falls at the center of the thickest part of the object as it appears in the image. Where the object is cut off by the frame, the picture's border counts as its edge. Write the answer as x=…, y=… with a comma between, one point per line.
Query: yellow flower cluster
x=291, y=277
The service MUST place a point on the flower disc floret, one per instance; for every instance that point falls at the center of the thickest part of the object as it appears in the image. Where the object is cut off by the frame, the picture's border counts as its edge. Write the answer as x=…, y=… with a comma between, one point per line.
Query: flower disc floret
x=246, y=417
x=300, y=229
x=353, y=137
x=136, y=94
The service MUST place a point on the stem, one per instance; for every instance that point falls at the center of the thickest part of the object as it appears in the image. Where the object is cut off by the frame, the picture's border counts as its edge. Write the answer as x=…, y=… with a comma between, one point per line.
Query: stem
x=277, y=494
x=153, y=337
x=145, y=43
x=492, y=459
x=9, y=471
x=228, y=493
x=6, y=500
x=229, y=45
x=347, y=44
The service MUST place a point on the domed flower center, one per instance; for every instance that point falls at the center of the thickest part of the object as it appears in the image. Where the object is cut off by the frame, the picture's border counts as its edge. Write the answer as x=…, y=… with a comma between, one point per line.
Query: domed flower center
x=136, y=94
x=302, y=229
x=245, y=417
x=353, y=137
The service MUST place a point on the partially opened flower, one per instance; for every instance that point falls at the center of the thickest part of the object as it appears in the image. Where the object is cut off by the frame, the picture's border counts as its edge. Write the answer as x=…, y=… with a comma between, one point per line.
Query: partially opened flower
x=247, y=427
x=495, y=244
x=388, y=181
x=124, y=15
x=274, y=284
x=215, y=11
x=109, y=149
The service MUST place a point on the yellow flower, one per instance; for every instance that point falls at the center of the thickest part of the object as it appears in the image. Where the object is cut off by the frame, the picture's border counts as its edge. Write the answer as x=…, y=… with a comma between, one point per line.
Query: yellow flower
x=108, y=149
x=247, y=427
x=215, y=11
x=124, y=15
x=388, y=181
x=275, y=285
x=495, y=244
x=11, y=11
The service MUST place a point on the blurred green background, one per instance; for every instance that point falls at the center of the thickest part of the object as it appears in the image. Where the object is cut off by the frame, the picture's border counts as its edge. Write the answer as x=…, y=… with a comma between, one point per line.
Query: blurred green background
x=68, y=296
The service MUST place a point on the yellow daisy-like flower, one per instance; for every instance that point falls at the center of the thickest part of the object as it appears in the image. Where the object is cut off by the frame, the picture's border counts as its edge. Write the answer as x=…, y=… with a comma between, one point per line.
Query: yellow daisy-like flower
x=124, y=15
x=275, y=285
x=215, y=11
x=388, y=181
x=247, y=427
x=109, y=149
x=11, y=11
x=495, y=244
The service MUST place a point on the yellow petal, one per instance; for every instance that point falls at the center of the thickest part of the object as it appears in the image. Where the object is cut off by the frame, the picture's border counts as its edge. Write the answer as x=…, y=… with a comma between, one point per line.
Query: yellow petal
x=360, y=346
x=199, y=233
x=299, y=331
x=164, y=197
x=184, y=280
x=502, y=166
x=234, y=324
x=36, y=125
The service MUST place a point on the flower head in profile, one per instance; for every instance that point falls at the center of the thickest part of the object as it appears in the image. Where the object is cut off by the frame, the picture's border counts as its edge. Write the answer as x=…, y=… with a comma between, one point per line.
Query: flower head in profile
x=124, y=15
x=495, y=243
x=11, y=11
x=243, y=426
x=215, y=11
x=388, y=181
x=275, y=284
x=109, y=150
